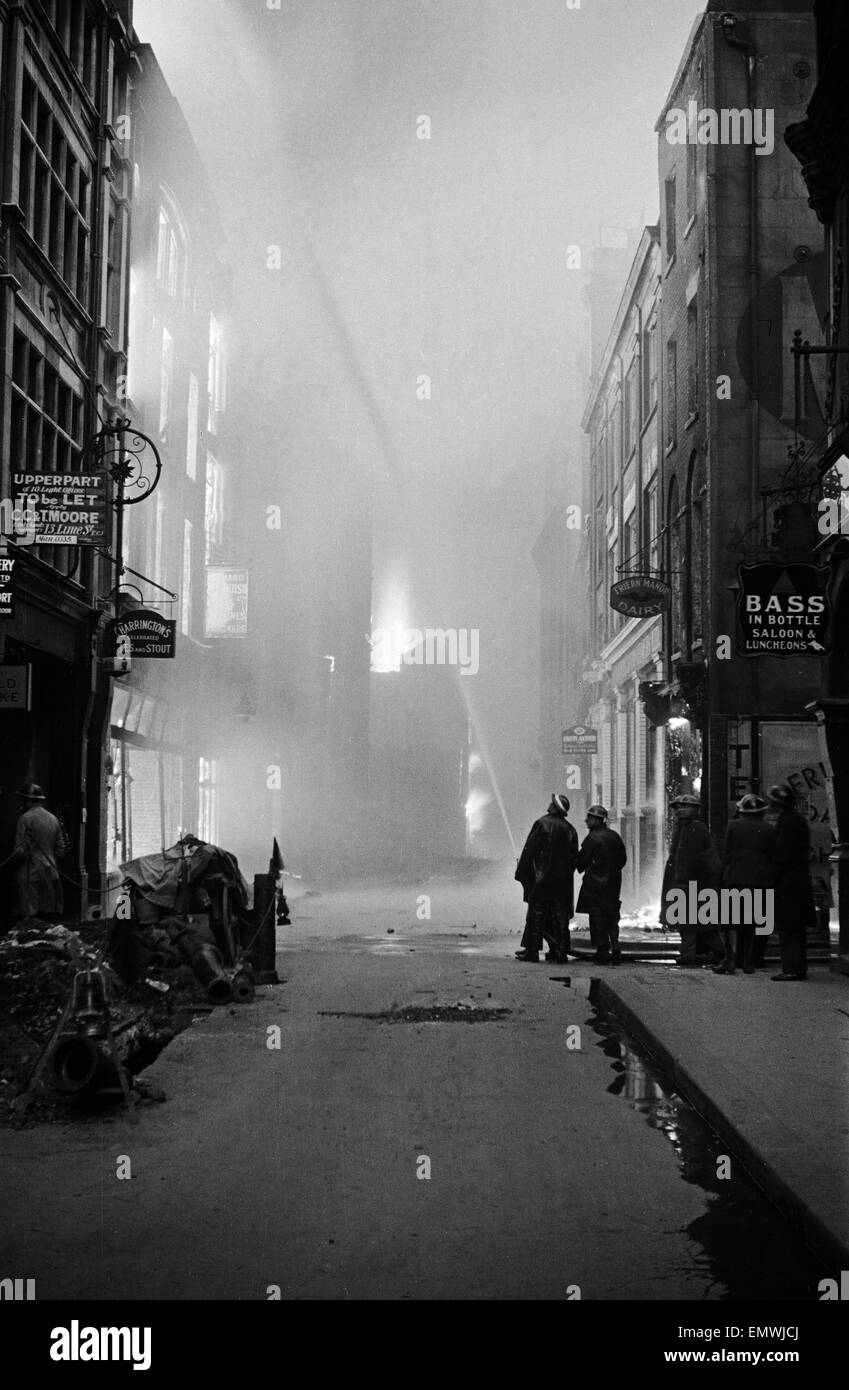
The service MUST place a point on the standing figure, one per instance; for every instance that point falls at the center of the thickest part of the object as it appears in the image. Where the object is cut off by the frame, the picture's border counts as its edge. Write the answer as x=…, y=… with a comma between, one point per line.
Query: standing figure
x=794, y=898
x=39, y=843
x=692, y=859
x=601, y=860
x=546, y=870
x=746, y=863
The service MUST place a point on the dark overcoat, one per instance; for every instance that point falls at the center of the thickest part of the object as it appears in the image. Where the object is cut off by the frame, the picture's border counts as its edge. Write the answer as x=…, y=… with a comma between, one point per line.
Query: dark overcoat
x=601, y=860
x=692, y=859
x=546, y=865
x=794, y=898
x=747, y=855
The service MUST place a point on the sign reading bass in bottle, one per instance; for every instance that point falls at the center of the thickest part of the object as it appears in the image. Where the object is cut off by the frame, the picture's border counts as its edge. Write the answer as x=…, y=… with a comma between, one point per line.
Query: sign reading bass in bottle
x=783, y=610
x=149, y=634
x=67, y=508
x=640, y=596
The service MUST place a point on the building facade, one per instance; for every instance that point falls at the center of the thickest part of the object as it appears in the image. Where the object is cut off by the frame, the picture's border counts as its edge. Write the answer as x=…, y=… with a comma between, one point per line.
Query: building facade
x=64, y=226
x=821, y=144
x=627, y=774
x=742, y=269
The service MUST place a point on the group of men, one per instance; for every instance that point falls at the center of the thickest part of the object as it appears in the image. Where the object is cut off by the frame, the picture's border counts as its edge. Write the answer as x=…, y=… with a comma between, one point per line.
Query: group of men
x=758, y=854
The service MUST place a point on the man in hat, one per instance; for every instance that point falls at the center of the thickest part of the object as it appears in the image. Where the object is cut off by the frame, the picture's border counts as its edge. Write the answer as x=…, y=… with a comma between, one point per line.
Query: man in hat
x=746, y=863
x=601, y=860
x=546, y=871
x=39, y=843
x=794, y=899
x=692, y=859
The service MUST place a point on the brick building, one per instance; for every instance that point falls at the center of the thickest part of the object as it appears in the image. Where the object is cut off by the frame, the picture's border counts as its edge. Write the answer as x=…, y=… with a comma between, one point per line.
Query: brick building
x=63, y=341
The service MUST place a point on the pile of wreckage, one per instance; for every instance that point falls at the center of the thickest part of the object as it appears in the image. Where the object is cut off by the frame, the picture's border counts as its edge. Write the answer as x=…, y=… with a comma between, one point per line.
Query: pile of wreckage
x=87, y=1011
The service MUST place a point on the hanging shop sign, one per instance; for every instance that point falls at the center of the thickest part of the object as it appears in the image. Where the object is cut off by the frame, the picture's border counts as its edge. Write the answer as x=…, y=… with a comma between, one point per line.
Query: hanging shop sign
x=783, y=610
x=578, y=738
x=15, y=688
x=148, y=633
x=7, y=581
x=226, y=601
x=67, y=508
x=640, y=596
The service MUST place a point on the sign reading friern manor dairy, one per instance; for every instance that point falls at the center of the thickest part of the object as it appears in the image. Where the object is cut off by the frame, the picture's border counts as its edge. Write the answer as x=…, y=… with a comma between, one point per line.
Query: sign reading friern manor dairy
x=578, y=738
x=149, y=634
x=68, y=508
x=640, y=596
x=783, y=610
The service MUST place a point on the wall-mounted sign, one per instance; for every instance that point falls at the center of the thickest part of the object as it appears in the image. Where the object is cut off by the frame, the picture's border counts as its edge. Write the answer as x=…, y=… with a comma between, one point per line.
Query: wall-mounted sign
x=783, y=610
x=640, y=596
x=7, y=579
x=68, y=508
x=578, y=738
x=15, y=687
x=226, y=601
x=149, y=635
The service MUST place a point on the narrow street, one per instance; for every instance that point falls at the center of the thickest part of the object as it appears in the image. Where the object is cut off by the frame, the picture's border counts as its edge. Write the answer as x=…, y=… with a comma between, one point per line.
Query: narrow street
x=551, y=1165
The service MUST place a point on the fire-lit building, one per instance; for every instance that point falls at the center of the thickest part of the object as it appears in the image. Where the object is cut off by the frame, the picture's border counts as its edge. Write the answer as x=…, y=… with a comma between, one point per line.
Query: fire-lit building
x=624, y=653
x=66, y=186
x=164, y=757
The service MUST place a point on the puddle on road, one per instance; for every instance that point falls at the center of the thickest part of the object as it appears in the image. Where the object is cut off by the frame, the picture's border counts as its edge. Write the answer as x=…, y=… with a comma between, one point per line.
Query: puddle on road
x=432, y=1013
x=748, y=1251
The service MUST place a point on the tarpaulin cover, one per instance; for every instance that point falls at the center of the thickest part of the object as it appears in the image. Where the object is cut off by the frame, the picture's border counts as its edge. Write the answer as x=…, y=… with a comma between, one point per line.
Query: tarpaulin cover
x=157, y=877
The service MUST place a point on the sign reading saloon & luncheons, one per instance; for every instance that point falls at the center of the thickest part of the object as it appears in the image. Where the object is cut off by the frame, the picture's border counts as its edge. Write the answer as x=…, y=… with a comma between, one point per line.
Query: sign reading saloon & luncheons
x=640, y=596
x=783, y=610
x=67, y=508
x=149, y=634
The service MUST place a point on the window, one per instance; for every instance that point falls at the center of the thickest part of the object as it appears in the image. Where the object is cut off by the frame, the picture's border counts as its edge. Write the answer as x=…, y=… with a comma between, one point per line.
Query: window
x=166, y=386
x=214, y=511
x=692, y=359
x=671, y=216
x=692, y=179
x=651, y=762
x=47, y=414
x=54, y=188
x=186, y=605
x=675, y=561
x=649, y=368
x=208, y=800
x=170, y=256
x=650, y=558
x=216, y=373
x=192, y=429
x=671, y=391
x=631, y=409
x=114, y=266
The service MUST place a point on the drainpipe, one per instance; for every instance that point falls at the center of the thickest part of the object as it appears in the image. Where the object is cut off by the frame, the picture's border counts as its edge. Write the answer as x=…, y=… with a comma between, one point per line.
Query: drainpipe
x=731, y=27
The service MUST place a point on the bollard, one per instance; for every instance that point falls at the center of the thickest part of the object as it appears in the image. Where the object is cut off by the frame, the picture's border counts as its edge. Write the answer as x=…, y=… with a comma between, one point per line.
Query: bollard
x=262, y=933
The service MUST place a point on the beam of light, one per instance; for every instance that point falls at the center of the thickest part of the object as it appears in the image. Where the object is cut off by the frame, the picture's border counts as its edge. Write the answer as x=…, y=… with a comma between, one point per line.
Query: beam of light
x=480, y=744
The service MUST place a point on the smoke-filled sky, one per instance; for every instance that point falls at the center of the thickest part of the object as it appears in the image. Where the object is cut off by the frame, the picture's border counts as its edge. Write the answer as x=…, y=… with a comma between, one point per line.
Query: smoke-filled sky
x=446, y=257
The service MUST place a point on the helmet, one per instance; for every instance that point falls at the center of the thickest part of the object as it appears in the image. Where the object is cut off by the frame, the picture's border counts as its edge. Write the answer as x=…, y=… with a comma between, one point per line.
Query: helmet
x=598, y=811
x=751, y=805
x=561, y=801
x=687, y=799
x=782, y=794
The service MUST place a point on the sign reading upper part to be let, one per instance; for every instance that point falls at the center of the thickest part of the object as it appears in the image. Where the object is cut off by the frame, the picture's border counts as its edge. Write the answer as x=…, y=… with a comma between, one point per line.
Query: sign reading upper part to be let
x=67, y=508
x=148, y=633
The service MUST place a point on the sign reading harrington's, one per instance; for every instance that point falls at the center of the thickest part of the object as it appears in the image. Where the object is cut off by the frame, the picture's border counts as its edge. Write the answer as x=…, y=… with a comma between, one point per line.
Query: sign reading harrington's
x=67, y=508
x=783, y=610
x=149, y=634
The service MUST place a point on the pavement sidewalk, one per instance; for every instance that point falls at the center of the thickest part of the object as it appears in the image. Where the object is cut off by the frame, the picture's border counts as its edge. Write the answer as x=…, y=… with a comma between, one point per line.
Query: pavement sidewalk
x=766, y=1065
